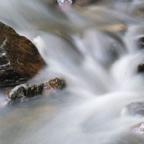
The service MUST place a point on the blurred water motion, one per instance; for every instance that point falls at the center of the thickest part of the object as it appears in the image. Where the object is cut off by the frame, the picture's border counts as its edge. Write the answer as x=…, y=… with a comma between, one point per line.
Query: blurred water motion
x=95, y=49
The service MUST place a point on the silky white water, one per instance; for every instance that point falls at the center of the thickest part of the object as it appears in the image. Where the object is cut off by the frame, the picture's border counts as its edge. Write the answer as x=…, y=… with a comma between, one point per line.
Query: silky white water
x=95, y=49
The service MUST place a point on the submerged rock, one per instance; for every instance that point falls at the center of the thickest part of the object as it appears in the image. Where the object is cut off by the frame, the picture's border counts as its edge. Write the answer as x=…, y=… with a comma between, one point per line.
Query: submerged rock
x=19, y=58
x=134, y=109
x=30, y=90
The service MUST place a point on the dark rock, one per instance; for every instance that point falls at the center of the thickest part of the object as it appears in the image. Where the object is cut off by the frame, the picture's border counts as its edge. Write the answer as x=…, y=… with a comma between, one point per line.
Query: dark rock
x=140, y=68
x=19, y=58
x=141, y=43
x=30, y=90
x=56, y=83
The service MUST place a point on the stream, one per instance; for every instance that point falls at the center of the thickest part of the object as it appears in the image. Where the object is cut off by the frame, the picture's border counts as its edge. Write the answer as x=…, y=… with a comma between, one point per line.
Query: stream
x=97, y=50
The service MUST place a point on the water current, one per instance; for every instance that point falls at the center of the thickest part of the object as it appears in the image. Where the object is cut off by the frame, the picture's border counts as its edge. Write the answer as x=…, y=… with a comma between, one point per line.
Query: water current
x=96, y=49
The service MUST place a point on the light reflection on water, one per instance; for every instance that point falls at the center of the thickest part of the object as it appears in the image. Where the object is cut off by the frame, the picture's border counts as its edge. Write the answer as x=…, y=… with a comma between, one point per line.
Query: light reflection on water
x=95, y=50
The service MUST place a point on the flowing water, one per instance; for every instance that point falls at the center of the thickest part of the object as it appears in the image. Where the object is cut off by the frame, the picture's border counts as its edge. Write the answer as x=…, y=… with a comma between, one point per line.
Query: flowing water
x=95, y=49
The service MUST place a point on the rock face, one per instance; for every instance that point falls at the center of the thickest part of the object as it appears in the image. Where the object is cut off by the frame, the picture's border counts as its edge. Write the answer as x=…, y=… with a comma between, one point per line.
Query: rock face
x=30, y=90
x=19, y=58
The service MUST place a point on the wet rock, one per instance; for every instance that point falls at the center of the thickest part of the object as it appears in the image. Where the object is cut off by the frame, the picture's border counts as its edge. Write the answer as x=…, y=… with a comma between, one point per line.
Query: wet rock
x=135, y=109
x=64, y=2
x=30, y=90
x=138, y=129
x=19, y=58
x=141, y=43
x=140, y=68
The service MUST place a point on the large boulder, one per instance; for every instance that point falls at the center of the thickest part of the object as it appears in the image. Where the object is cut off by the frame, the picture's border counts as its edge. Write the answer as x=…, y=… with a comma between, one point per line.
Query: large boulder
x=19, y=58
